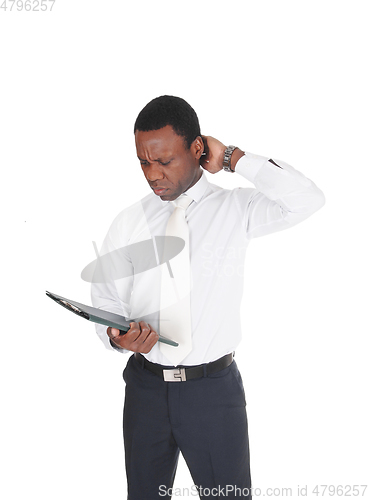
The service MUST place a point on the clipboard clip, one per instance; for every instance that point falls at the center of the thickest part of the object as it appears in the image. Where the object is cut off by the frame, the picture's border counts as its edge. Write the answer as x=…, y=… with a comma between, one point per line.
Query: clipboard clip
x=69, y=306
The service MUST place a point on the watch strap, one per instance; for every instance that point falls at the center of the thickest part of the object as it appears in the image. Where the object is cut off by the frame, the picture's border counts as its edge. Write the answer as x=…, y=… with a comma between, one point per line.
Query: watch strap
x=227, y=158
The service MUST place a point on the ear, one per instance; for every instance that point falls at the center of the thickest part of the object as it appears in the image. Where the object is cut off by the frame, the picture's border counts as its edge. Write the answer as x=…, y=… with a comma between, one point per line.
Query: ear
x=197, y=147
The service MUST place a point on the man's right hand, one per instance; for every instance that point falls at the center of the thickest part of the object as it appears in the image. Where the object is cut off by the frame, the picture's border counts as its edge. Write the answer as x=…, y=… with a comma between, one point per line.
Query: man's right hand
x=139, y=338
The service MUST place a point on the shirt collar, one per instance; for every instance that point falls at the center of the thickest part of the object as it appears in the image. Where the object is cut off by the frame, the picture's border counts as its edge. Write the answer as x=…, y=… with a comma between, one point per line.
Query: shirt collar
x=197, y=191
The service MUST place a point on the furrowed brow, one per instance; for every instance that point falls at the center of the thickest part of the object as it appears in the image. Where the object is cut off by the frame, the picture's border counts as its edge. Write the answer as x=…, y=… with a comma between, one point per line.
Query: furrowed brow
x=160, y=160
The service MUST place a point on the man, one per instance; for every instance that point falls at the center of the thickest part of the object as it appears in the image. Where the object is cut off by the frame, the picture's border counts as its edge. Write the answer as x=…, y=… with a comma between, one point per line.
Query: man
x=203, y=415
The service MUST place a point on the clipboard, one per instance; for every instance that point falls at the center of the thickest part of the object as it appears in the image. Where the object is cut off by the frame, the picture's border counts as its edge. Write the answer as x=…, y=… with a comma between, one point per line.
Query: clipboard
x=100, y=316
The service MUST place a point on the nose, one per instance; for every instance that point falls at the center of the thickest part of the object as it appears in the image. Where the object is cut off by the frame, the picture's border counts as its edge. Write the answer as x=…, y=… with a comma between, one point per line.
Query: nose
x=153, y=172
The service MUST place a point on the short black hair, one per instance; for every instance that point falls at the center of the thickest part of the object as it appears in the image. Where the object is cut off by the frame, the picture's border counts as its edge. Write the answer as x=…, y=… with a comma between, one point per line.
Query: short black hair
x=169, y=110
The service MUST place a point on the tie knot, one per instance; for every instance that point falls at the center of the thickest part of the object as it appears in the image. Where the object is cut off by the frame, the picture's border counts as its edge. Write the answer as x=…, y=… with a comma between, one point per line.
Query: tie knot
x=182, y=201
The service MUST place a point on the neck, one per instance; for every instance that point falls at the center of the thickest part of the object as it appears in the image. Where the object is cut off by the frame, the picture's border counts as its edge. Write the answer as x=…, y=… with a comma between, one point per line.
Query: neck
x=196, y=179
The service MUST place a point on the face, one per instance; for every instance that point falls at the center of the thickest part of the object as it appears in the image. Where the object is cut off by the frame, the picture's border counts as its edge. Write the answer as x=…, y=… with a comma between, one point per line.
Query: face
x=169, y=167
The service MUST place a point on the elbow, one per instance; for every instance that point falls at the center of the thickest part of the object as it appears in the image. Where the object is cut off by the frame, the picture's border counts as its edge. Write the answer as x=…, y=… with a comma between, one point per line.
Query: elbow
x=319, y=201
x=311, y=203
x=305, y=205
x=306, y=208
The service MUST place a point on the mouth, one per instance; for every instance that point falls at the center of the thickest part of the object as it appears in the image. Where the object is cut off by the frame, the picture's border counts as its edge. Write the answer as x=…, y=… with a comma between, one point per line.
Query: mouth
x=159, y=191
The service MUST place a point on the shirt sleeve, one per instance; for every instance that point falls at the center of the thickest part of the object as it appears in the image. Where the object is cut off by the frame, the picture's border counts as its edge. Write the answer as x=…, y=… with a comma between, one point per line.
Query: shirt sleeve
x=282, y=196
x=112, y=291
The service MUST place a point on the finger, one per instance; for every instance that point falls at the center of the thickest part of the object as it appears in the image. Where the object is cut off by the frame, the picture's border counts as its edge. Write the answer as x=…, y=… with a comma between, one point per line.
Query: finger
x=149, y=343
x=145, y=329
x=152, y=338
x=205, y=141
x=112, y=332
x=155, y=335
x=134, y=332
x=147, y=338
x=138, y=332
x=204, y=161
x=141, y=337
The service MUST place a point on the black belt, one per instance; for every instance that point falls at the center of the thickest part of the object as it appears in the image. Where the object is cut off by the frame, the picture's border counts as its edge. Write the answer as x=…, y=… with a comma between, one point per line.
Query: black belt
x=183, y=373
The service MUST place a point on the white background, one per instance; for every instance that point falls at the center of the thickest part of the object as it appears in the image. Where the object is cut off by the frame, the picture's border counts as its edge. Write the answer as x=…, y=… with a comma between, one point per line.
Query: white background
x=284, y=79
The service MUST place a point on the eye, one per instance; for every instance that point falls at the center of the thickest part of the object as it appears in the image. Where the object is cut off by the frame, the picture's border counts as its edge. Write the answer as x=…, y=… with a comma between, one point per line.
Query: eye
x=165, y=163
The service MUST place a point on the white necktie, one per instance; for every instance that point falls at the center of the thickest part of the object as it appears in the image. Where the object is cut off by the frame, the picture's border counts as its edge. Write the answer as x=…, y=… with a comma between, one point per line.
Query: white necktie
x=175, y=304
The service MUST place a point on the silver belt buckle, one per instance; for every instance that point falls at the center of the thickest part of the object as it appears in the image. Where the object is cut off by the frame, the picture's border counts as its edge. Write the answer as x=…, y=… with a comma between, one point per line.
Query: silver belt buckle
x=175, y=375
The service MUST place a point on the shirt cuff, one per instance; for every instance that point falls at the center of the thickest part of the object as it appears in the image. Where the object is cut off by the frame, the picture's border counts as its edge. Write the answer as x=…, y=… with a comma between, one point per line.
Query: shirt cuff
x=249, y=165
x=119, y=349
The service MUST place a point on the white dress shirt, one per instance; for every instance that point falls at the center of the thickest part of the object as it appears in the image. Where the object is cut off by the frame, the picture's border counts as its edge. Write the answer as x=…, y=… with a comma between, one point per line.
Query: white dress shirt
x=221, y=224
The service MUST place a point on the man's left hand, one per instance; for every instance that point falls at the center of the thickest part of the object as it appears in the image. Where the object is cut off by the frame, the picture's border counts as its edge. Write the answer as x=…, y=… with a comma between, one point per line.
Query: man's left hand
x=214, y=151
x=212, y=161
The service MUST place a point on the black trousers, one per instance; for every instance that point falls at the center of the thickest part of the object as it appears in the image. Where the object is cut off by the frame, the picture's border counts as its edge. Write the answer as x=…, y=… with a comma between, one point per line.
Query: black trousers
x=204, y=418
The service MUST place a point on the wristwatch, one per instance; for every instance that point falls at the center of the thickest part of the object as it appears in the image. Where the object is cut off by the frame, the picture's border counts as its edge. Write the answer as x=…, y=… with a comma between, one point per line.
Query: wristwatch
x=227, y=159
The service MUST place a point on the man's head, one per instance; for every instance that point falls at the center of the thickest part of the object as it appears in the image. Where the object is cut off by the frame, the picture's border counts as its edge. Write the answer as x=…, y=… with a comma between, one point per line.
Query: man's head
x=169, y=145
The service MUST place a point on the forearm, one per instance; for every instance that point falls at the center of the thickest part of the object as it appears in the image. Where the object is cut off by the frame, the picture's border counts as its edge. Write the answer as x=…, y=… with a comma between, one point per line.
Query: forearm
x=283, y=196
x=281, y=183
